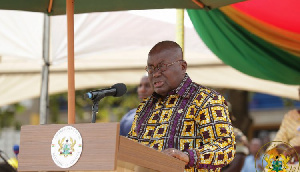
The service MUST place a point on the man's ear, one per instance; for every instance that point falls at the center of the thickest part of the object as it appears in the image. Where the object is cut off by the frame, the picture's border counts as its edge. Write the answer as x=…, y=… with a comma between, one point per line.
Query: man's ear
x=184, y=66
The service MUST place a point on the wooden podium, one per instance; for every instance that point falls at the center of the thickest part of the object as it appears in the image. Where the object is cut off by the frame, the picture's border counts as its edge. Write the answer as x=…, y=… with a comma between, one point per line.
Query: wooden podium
x=102, y=150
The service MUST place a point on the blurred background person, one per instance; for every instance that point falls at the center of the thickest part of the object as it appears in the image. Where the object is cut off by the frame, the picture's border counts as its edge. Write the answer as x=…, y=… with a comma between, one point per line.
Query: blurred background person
x=289, y=132
x=254, y=158
x=264, y=136
x=144, y=90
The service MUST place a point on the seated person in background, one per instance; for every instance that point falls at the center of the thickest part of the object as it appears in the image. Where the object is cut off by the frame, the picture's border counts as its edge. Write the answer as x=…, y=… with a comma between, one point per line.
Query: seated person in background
x=182, y=118
x=241, y=148
x=289, y=132
x=255, y=158
x=264, y=136
x=144, y=90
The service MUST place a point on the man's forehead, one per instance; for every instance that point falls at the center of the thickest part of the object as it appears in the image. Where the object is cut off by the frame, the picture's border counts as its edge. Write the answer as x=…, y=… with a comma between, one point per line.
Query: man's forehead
x=162, y=56
x=157, y=60
x=144, y=78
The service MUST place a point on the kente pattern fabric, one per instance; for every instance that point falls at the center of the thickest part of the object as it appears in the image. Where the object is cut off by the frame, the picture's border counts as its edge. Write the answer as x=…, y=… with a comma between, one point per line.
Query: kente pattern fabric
x=191, y=118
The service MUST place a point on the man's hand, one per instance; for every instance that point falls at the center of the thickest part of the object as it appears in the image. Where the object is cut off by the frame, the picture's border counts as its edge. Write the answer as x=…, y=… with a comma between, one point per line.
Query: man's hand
x=177, y=154
x=292, y=152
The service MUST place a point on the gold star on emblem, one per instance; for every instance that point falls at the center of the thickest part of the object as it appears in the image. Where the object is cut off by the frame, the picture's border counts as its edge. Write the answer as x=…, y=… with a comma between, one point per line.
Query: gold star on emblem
x=180, y=110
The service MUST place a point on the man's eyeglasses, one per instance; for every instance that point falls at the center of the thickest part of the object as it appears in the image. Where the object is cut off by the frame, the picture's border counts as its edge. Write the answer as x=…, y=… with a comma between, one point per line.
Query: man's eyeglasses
x=160, y=67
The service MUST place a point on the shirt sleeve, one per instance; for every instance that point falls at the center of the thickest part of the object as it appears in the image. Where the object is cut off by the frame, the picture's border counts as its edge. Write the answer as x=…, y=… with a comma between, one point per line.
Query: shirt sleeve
x=217, y=146
x=282, y=134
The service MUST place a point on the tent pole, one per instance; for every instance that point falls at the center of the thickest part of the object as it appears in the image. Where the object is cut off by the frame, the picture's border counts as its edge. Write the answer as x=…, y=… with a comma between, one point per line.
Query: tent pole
x=71, y=77
x=180, y=28
x=44, y=103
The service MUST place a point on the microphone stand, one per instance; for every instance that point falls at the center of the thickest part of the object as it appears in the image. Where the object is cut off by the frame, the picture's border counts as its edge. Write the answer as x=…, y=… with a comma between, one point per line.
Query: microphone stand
x=95, y=106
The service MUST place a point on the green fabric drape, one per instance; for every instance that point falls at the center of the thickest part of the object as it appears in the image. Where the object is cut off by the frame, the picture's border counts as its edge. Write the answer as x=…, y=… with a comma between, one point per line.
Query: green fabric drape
x=244, y=51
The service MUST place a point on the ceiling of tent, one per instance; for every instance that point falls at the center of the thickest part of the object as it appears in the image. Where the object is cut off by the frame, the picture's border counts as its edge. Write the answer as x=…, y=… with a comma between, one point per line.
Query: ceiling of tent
x=260, y=38
x=109, y=48
x=84, y=6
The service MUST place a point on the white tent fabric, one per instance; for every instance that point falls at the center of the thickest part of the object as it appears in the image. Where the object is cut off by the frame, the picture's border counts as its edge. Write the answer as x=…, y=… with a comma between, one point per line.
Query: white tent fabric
x=110, y=47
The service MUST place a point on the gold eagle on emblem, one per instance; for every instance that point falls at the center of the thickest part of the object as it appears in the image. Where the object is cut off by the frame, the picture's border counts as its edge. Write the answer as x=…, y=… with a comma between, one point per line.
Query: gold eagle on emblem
x=65, y=147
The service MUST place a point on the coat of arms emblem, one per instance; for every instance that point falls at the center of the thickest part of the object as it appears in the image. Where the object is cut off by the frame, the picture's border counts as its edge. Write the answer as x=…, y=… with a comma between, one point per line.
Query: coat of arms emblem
x=66, y=147
x=277, y=163
x=275, y=159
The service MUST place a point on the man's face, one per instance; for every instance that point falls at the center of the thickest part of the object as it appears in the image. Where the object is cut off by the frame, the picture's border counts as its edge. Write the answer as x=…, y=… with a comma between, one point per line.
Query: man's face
x=163, y=82
x=144, y=89
x=254, y=146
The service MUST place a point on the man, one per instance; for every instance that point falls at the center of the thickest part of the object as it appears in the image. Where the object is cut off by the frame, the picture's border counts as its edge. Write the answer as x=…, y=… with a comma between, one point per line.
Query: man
x=289, y=132
x=181, y=118
x=144, y=90
x=253, y=161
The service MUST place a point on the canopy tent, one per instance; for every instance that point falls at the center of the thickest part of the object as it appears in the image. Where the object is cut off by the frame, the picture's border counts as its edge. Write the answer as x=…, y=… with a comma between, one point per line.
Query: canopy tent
x=92, y=6
x=58, y=7
x=109, y=48
x=260, y=38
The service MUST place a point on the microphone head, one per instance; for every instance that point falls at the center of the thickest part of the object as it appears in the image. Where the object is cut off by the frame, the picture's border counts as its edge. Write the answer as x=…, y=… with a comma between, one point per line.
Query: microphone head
x=88, y=95
x=120, y=89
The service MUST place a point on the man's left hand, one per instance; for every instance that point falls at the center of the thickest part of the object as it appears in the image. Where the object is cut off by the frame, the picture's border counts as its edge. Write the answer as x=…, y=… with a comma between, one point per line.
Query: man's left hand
x=177, y=154
x=293, y=152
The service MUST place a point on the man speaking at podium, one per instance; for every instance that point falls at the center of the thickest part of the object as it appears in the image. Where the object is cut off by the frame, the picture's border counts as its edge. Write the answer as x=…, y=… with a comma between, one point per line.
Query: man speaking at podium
x=181, y=118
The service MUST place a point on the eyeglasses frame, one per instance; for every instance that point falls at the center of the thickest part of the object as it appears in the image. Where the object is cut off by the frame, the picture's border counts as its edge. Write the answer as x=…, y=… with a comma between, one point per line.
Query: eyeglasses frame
x=167, y=65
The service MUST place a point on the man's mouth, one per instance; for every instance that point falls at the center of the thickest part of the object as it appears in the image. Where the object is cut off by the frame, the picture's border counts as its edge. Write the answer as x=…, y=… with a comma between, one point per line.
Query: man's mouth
x=141, y=96
x=158, y=84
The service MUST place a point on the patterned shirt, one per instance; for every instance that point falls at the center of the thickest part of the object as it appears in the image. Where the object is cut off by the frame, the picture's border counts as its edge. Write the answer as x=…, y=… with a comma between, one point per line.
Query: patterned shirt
x=191, y=118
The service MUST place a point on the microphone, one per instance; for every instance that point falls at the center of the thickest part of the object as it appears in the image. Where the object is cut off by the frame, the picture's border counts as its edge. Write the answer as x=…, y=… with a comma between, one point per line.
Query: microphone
x=116, y=90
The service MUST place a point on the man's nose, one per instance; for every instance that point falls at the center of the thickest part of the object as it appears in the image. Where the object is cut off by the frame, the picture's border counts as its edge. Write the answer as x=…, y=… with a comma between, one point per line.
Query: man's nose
x=143, y=88
x=156, y=73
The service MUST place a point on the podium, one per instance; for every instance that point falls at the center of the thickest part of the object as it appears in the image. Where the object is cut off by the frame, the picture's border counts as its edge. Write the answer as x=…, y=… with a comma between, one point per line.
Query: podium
x=102, y=150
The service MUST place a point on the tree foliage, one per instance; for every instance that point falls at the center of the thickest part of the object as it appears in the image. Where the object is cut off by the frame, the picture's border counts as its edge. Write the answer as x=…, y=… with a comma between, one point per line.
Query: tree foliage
x=8, y=114
x=111, y=109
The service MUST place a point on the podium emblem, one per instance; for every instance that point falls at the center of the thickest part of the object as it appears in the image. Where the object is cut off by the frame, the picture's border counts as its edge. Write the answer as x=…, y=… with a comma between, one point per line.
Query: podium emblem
x=66, y=147
x=276, y=161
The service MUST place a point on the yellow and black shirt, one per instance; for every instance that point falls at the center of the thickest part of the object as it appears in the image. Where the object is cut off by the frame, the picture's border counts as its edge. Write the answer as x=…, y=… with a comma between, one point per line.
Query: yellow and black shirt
x=193, y=119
